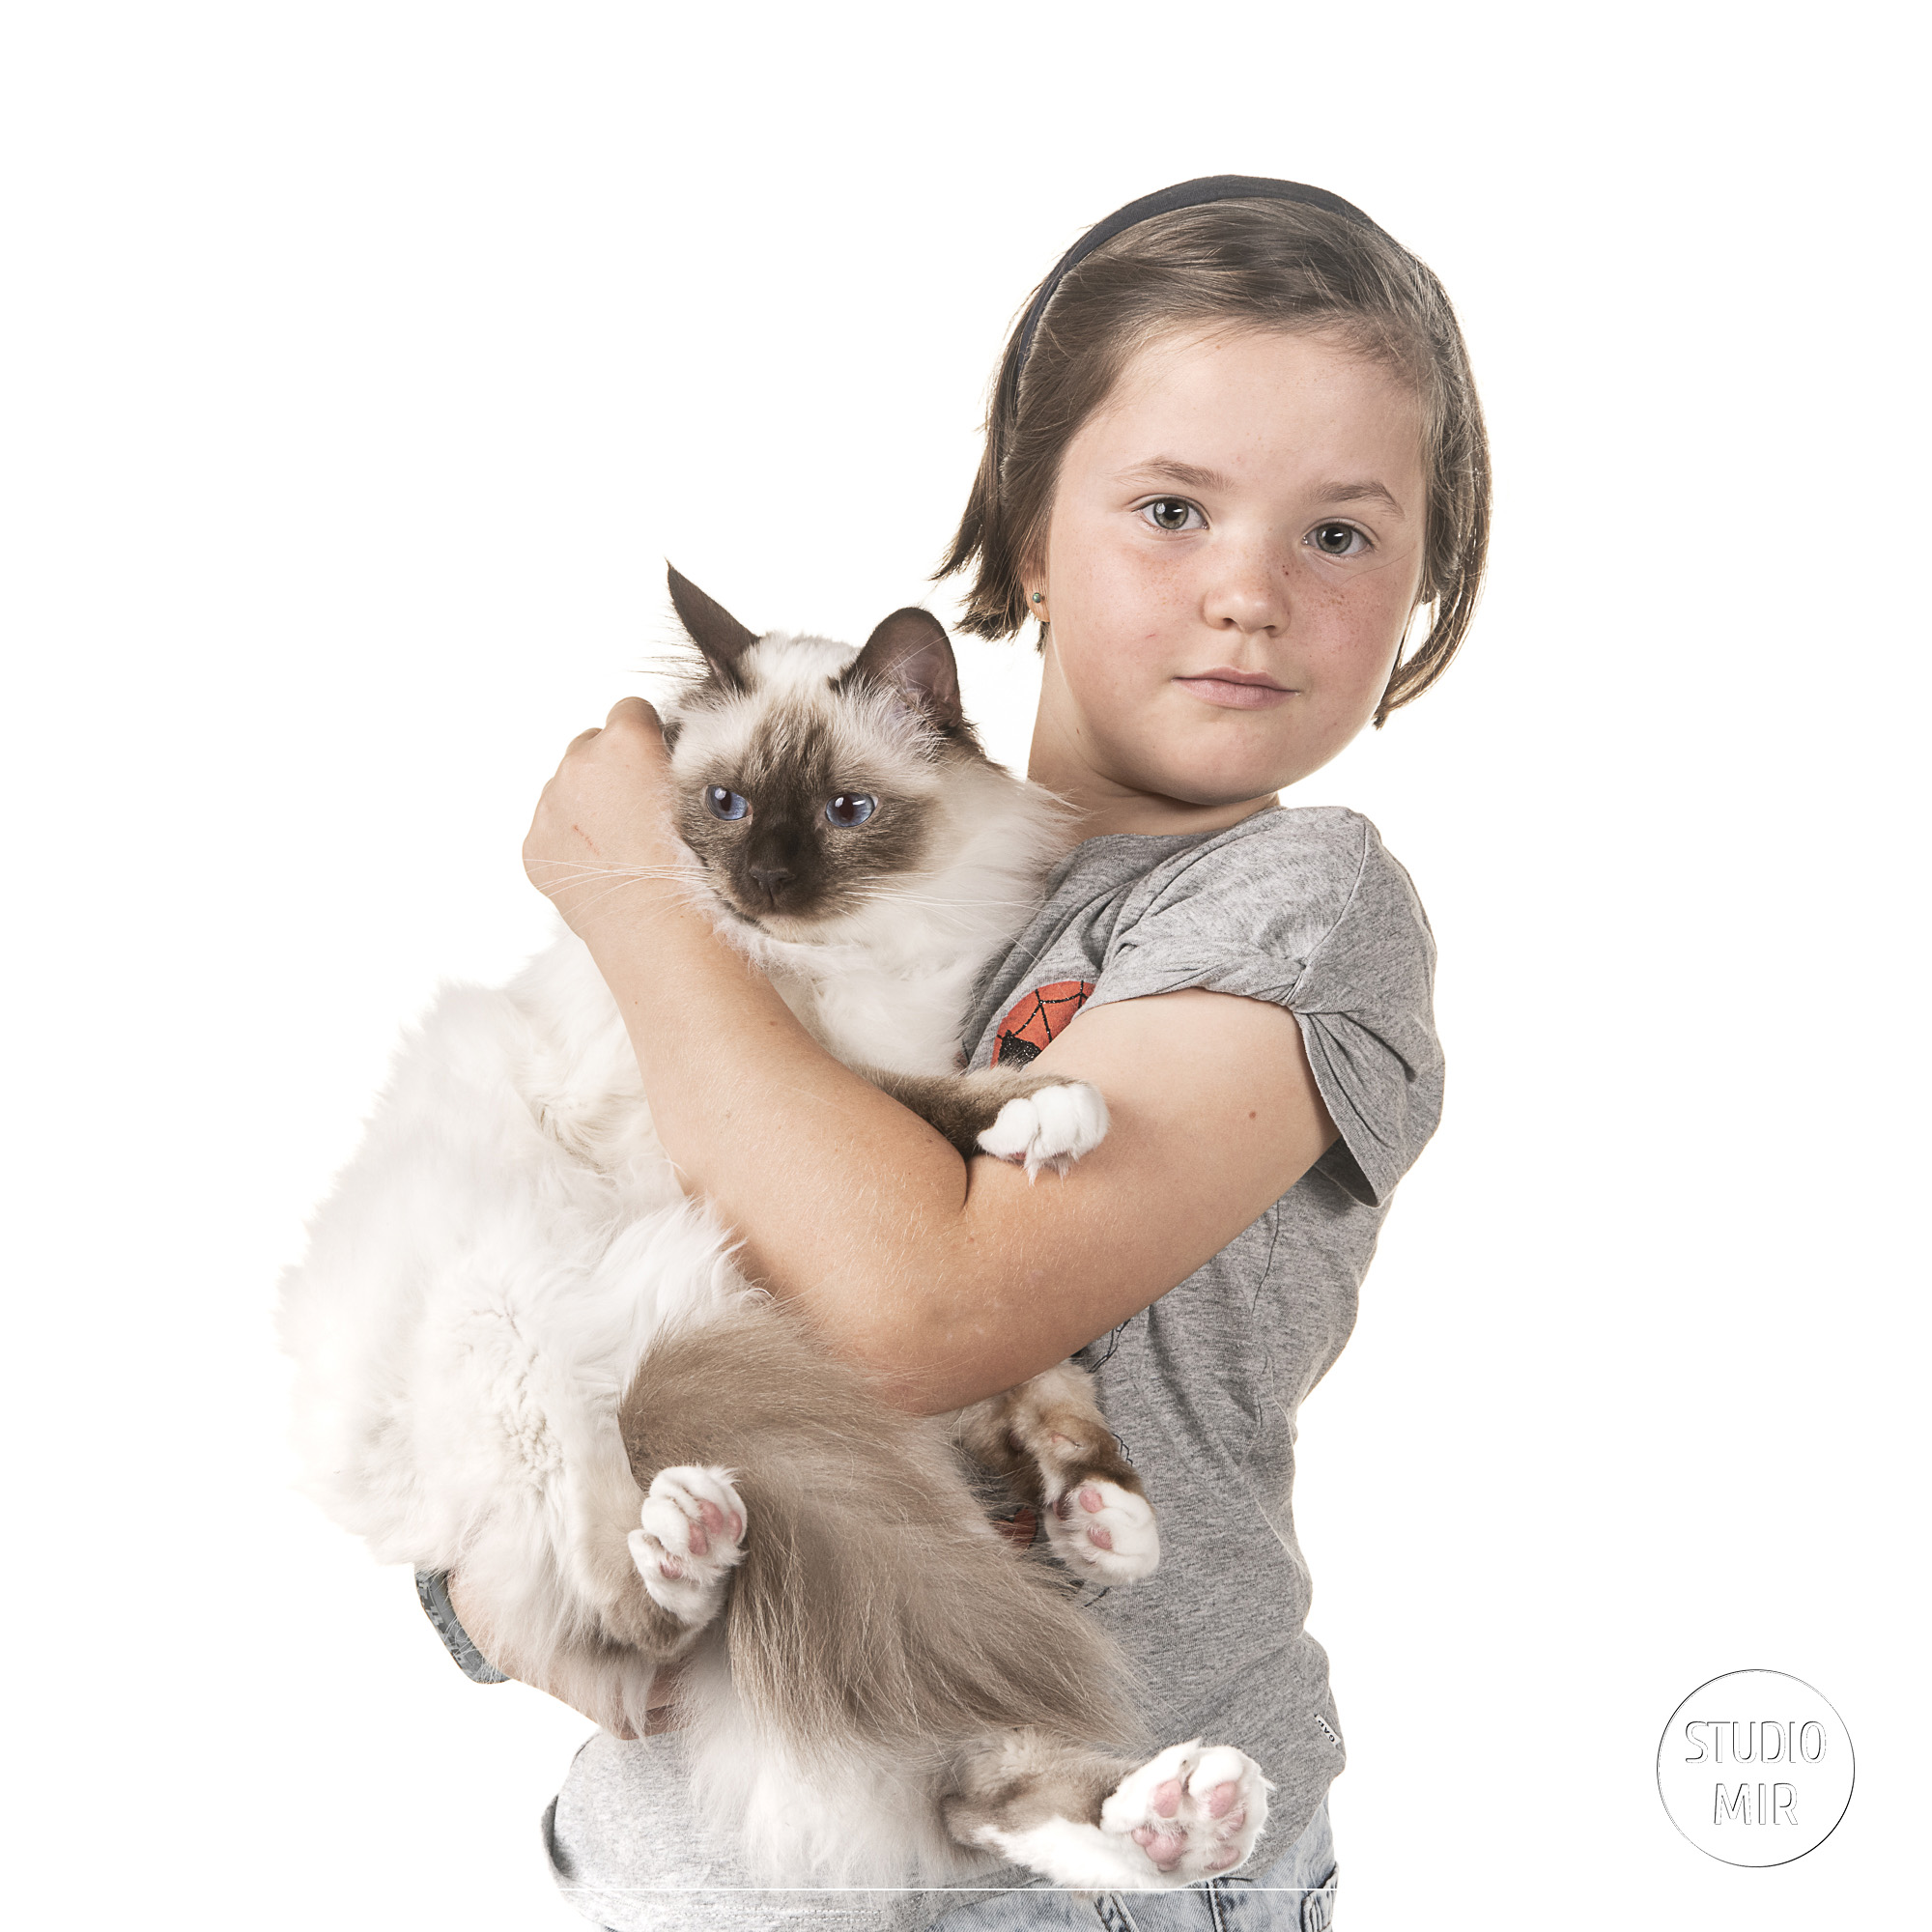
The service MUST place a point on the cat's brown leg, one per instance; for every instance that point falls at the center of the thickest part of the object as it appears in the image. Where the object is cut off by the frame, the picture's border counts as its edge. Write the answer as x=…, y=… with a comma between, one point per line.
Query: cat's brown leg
x=1051, y=1442
x=1031, y=1118
x=1025, y=1779
x=1094, y=1821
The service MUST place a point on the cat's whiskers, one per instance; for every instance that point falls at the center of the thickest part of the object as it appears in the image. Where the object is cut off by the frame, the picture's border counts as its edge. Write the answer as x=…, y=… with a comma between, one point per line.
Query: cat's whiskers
x=563, y=874
x=899, y=895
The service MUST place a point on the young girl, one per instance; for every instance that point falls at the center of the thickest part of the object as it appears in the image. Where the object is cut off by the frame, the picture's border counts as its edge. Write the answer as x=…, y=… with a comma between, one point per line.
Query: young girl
x=1233, y=451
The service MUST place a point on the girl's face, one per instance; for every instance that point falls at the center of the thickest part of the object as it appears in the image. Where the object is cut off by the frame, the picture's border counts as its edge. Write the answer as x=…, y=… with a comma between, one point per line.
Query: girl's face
x=1234, y=550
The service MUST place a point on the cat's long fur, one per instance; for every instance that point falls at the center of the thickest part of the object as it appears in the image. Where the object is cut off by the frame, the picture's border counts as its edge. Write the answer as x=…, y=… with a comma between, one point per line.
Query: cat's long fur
x=509, y=1318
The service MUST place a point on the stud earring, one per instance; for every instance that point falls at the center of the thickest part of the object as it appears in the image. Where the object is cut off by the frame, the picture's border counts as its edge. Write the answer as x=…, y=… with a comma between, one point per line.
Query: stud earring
x=1040, y=596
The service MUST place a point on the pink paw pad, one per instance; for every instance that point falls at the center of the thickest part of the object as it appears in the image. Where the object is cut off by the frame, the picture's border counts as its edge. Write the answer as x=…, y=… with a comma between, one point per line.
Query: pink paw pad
x=1106, y=1532
x=712, y=1521
x=690, y=1536
x=1191, y=1813
x=1092, y=1502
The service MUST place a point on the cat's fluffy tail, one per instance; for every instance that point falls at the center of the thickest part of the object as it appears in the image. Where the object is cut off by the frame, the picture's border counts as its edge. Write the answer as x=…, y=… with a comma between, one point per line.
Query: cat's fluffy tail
x=875, y=1609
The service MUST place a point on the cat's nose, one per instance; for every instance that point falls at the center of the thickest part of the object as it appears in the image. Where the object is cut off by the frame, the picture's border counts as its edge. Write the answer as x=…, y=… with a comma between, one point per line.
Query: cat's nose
x=772, y=880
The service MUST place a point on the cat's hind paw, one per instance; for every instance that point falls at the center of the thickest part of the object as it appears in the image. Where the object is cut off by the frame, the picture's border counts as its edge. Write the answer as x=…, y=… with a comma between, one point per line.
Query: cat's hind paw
x=1104, y=1533
x=1194, y=1813
x=1052, y=1126
x=692, y=1537
x=1187, y=1815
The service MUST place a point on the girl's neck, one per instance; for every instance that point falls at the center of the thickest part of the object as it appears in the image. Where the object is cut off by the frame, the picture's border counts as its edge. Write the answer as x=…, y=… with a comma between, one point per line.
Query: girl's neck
x=1163, y=818
x=1102, y=806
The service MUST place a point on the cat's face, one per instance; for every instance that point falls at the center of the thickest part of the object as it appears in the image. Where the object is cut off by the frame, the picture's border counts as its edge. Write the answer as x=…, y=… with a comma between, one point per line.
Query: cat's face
x=811, y=780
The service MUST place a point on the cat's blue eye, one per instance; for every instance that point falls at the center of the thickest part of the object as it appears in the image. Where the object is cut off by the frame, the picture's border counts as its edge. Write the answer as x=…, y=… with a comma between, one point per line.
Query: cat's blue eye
x=722, y=803
x=851, y=807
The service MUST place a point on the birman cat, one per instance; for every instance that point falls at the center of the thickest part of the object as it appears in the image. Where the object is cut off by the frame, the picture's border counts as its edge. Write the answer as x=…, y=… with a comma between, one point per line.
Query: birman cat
x=525, y=1356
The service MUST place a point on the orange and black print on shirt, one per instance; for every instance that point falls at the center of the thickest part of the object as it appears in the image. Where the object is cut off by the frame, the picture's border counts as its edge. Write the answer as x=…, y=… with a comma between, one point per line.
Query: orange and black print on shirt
x=1036, y=1018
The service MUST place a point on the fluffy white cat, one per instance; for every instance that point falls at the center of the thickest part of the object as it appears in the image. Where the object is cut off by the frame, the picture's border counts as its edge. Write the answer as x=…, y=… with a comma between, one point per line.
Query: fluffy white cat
x=525, y=1356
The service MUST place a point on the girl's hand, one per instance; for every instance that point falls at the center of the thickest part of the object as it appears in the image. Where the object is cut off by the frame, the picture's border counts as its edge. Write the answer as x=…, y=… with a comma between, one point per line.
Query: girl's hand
x=603, y=826
x=659, y=1717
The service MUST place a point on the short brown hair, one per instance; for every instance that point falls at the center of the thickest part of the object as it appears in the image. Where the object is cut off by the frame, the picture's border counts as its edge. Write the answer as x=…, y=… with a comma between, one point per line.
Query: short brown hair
x=1243, y=263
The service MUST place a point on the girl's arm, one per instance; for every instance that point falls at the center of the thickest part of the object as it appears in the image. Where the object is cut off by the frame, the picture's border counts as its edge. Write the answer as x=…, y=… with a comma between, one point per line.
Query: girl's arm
x=949, y=1280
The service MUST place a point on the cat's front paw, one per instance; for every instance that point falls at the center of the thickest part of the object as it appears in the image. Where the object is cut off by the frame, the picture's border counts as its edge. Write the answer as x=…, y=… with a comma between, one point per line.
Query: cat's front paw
x=692, y=1537
x=1052, y=1126
x=1104, y=1533
x=1194, y=1813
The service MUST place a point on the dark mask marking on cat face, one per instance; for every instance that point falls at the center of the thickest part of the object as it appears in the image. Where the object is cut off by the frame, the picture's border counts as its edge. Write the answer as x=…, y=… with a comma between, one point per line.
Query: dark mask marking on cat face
x=783, y=858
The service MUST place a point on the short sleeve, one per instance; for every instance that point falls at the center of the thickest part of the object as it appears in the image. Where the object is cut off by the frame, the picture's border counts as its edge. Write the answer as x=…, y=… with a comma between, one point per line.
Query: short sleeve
x=433, y=1593
x=1307, y=910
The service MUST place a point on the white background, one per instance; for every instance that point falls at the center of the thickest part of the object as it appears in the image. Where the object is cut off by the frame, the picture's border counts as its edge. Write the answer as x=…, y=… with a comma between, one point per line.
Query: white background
x=362, y=365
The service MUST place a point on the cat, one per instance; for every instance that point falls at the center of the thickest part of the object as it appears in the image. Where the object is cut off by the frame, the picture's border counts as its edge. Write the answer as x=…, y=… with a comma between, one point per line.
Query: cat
x=525, y=1356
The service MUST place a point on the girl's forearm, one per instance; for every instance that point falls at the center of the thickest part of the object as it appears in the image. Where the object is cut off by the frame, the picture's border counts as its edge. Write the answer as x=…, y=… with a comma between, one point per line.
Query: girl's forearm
x=844, y=1200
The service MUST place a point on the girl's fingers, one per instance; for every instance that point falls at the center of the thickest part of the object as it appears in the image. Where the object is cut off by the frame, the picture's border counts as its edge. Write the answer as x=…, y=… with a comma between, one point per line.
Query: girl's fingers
x=600, y=832
x=628, y=713
x=628, y=716
x=635, y=730
x=633, y=711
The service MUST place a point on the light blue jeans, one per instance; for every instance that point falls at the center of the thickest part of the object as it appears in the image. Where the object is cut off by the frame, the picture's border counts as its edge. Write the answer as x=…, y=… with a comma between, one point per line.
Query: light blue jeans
x=1297, y=1894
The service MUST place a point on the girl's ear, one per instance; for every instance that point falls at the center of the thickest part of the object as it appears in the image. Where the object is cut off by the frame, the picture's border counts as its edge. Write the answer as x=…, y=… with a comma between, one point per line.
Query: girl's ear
x=712, y=628
x=909, y=654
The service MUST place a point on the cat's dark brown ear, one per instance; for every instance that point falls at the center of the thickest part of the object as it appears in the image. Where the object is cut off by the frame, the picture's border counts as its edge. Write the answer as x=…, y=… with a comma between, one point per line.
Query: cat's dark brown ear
x=909, y=653
x=712, y=628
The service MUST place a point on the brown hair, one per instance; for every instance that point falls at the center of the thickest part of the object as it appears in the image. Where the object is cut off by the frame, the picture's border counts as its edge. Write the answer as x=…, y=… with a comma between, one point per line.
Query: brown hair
x=1243, y=264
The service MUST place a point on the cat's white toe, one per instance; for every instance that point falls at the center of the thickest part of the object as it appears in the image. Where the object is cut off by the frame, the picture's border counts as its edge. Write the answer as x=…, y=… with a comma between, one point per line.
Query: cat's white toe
x=1193, y=1813
x=692, y=1537
x=1104, y=1533
x=1052, y=1127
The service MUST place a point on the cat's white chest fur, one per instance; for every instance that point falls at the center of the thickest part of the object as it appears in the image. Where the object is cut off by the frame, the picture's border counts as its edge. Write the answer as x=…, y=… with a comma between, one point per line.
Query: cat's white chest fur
x=892, y=1015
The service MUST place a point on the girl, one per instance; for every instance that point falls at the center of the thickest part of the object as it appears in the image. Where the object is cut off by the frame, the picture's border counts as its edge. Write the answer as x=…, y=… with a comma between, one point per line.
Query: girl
x=1234, y=449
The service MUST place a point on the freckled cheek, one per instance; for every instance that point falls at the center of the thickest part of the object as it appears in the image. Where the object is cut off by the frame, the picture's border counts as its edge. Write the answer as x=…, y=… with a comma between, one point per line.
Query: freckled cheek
x=1162, y=577
x=1353, y=624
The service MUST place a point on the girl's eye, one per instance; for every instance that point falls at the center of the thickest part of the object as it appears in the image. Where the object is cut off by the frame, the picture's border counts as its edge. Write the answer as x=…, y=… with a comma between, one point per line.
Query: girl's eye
x=1174, y=513
x=722, y=803
x=851, y=807
x=1337, y=539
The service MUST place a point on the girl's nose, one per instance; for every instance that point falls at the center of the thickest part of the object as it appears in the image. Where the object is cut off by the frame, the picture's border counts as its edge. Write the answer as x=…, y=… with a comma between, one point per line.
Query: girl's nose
x=1248, y=593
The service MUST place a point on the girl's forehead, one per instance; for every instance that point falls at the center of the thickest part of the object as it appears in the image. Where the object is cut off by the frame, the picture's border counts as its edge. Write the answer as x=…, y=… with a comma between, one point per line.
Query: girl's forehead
x=1269, y=390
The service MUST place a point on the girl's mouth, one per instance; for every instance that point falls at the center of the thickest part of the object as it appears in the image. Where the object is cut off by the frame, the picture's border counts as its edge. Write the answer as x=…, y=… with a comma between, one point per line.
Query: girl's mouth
x=1236, y=689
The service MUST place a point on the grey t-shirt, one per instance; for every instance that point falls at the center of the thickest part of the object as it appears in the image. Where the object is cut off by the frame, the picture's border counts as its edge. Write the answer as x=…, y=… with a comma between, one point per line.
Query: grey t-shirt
x=1302, y=908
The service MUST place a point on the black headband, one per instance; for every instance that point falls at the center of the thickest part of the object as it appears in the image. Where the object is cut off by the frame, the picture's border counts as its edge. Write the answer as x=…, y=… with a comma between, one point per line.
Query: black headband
x=1164, y=201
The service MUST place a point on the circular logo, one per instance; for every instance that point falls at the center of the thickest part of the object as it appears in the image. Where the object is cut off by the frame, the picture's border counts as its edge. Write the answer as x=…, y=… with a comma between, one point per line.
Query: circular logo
x=1755, y=1768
